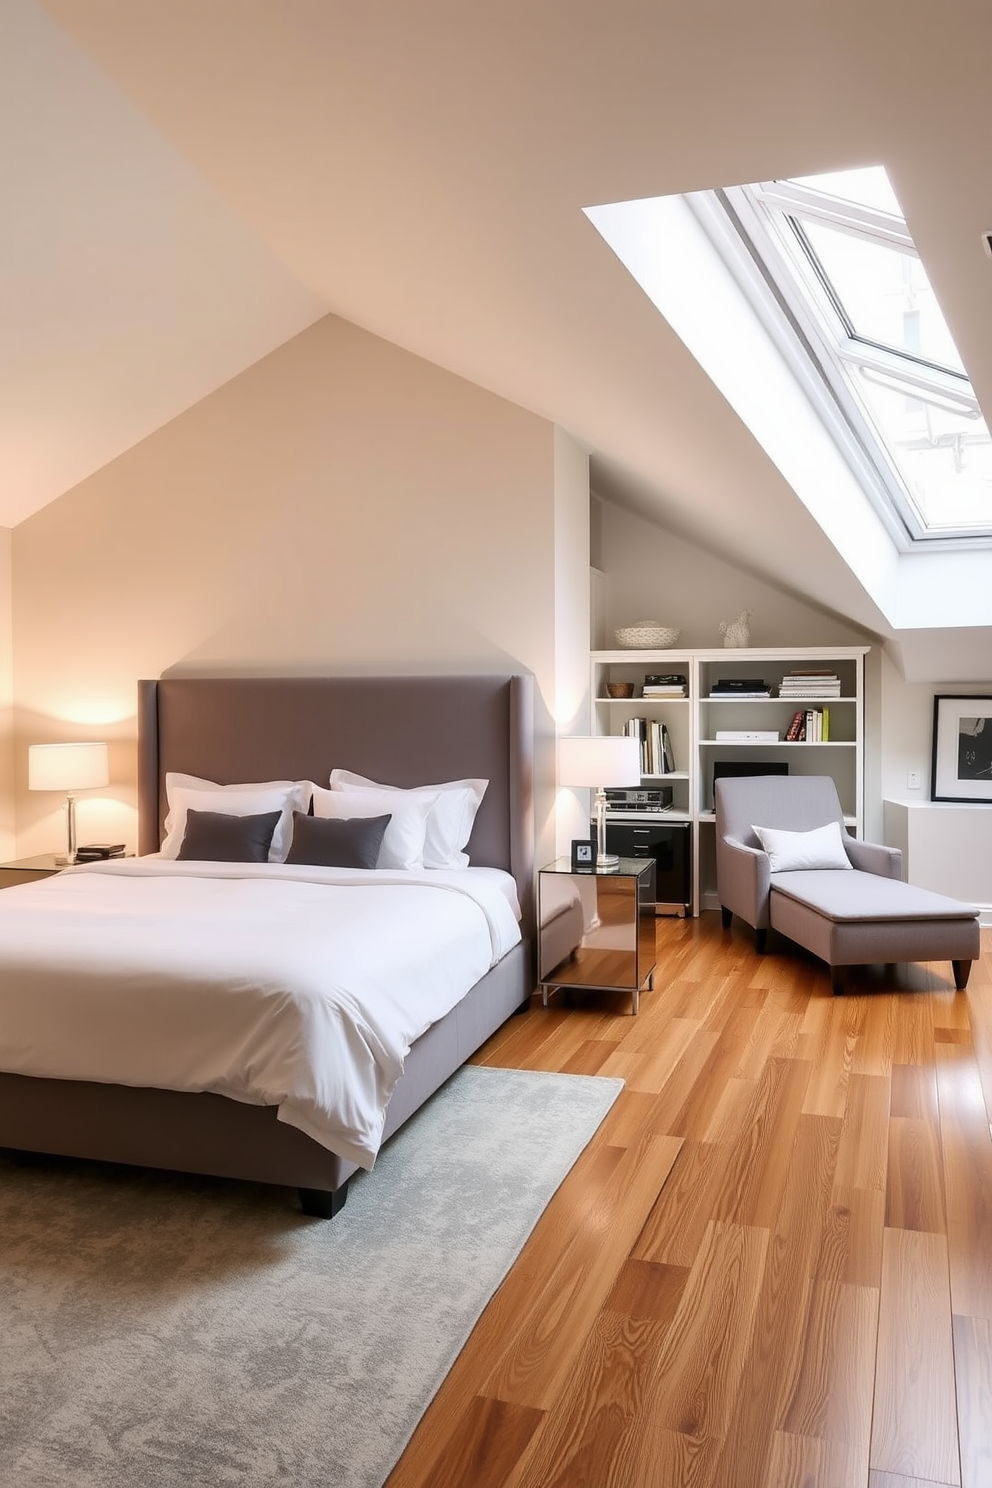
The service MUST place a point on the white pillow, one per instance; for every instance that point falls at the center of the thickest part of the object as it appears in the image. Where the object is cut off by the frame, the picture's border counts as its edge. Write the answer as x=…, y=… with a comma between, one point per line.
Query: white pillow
x=403, y=844
x=449, y=825
x=789, y=852
x=184, y=791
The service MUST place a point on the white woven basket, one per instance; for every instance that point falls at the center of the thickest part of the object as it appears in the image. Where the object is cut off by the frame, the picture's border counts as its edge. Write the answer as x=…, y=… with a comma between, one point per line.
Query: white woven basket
x=647, y=635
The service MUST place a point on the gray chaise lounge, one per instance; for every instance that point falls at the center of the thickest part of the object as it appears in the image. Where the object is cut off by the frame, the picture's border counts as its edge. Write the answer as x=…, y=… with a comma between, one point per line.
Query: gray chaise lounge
x=847, y=917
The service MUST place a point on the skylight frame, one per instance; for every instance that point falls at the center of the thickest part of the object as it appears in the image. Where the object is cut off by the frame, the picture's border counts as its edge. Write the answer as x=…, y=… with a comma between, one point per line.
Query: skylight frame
x=766, y=253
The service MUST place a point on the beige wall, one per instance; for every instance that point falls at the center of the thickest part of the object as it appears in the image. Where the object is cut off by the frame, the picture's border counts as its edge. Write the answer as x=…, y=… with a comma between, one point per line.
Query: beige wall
x=572, y=630
x=7, y=816
x=651, y=574
x=341, y=505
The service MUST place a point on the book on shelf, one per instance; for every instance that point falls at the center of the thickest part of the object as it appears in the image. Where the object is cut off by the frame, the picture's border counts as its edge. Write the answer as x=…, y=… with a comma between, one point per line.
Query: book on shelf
x=809, y=684
x=657, y=756
x=808, y=692
x=665, y=684
x=747, y=736
x=739, y=684
x=764, y=692
x=809, y=726
x=667, y=753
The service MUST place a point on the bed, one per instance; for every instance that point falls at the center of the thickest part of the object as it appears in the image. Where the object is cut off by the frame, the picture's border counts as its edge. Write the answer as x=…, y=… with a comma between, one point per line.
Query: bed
x=407, y=732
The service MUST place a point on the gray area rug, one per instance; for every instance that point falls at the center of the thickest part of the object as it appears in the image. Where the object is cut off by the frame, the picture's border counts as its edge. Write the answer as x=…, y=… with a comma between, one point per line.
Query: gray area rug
x=160, y=1330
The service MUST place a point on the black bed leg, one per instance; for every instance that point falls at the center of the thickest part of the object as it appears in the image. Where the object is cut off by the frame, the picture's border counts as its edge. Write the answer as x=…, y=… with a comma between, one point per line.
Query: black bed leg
x=323, y=1203
x=962, y=971
x=726, y=915
x=761, y=941
x=838, y=980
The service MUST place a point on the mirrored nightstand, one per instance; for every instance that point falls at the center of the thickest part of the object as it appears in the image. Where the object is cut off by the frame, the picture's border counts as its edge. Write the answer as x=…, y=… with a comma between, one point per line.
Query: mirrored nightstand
x=597, y=930
x=25, y=870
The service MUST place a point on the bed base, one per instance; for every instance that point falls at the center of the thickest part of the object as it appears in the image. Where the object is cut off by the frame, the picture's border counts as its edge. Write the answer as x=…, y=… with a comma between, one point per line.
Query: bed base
x=205, y=1133
x=318, y=1204
x=296, y=728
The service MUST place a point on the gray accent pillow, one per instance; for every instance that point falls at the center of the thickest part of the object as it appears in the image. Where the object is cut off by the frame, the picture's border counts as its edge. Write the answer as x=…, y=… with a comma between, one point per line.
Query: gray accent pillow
x=331, y=842
x=217, y=837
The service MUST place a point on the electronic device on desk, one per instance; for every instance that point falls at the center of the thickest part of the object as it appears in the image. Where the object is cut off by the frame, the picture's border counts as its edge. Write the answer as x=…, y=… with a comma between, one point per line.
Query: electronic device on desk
x=650, y=798
x=98, y=852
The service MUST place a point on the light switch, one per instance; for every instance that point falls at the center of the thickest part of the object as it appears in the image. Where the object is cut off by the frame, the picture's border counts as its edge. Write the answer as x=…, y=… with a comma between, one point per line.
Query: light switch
x=913, y=779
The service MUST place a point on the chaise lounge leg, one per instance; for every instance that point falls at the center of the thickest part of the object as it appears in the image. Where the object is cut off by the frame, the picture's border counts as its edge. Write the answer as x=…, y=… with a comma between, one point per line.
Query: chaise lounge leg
x=838, y=980
x=962, y=971
x=760, y=941
x=726, y=915
x=323, y=1203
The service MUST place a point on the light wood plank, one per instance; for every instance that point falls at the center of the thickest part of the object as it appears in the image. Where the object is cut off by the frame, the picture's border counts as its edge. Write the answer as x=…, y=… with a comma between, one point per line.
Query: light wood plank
x=915, y=1190
x=874, y=1053
x=759, y=1162
x=913, y=1044
x=973, y=1372
x=914, y=1431
x=775, y=1349
x=650, y=1067
x=967, y=1169
x=830, y=1034
x=674, y=1230
x=489, y=1439
x=586, y=1437
x=862, y=1161
x=694, y=1383
x=540, y=1350
x=832, y=1397
x=914, y=1092
x=851, y=1243
x=805, y=1462
x=897, y=1480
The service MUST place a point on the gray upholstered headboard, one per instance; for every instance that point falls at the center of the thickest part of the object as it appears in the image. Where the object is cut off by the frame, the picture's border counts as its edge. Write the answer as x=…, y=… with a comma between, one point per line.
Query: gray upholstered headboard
x=399, y=730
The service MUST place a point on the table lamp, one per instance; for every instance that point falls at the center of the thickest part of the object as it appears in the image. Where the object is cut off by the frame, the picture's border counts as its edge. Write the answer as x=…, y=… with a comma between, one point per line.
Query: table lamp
x=607, y=760
x=69, y=768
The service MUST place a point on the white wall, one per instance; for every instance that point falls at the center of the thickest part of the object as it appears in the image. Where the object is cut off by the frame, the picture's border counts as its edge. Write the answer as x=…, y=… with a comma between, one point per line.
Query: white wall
x=340, y=506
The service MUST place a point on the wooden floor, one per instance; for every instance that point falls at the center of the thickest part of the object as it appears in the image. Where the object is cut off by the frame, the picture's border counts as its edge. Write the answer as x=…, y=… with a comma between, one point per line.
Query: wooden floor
x=773, y=1264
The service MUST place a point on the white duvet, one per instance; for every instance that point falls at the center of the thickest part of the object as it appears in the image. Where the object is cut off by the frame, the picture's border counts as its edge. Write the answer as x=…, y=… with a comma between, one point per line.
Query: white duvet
x=301, y=988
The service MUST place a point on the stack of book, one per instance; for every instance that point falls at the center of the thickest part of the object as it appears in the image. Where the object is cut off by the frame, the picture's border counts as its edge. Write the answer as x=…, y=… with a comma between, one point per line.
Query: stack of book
x=809, y=726
x=810, y=683
x=657, y=757
x=665, y=684
x=740, y=687
x=97, y=852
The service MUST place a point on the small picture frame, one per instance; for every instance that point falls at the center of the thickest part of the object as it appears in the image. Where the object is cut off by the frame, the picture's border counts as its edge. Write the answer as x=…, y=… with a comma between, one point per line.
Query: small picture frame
x=961, y=765
x=584, y=854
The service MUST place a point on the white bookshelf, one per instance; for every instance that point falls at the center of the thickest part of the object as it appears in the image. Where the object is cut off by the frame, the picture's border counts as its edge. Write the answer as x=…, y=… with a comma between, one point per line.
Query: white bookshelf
x=694, y=721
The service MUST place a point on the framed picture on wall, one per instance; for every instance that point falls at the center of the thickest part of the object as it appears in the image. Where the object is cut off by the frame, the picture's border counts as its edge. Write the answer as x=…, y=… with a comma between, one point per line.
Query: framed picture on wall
x=961, y=765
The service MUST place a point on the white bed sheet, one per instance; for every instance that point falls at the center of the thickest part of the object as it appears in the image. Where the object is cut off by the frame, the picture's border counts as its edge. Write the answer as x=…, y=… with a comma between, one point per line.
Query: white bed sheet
x=301, y=988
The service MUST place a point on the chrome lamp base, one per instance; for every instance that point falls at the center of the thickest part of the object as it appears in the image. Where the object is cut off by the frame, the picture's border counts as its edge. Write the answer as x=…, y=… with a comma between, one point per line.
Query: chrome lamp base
x=605, y=861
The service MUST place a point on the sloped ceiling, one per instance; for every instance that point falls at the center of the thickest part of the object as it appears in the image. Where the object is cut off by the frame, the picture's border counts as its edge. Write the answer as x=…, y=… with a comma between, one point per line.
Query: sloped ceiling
x=195, y=180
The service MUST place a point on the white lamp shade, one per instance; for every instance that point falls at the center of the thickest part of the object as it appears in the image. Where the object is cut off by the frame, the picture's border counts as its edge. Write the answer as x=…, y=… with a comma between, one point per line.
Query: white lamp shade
x=67, y=767
x=608, y=761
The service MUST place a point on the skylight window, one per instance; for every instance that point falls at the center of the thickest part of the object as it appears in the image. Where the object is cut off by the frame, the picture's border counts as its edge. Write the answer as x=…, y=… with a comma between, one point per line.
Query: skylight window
x=837, y=254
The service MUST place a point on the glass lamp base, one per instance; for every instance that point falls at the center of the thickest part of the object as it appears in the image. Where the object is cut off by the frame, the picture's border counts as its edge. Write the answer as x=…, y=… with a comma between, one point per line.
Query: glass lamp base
x=605, y=861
